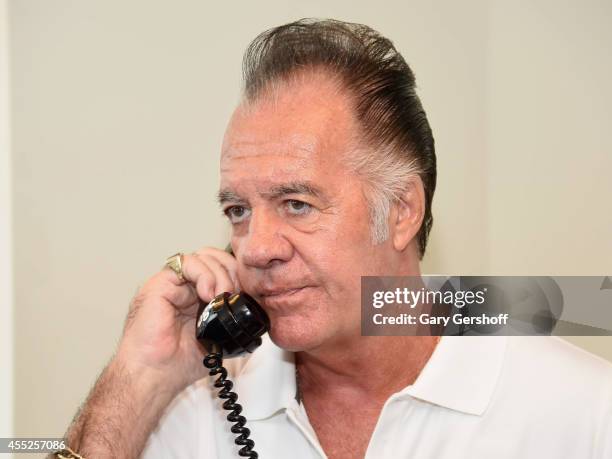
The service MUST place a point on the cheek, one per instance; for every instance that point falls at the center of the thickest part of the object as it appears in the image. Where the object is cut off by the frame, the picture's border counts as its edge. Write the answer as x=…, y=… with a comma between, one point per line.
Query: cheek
x=245, y=278
x=341, y=252
x=309, y=324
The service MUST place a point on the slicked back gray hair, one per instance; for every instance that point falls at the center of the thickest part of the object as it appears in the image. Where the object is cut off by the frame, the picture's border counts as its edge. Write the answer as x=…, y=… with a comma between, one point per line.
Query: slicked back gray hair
x=394, y=124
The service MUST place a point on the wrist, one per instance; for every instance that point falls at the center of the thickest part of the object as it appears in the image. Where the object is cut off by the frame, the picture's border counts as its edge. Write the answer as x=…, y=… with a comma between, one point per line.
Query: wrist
x=122, y=409
x=150, y=384
x=167, y=367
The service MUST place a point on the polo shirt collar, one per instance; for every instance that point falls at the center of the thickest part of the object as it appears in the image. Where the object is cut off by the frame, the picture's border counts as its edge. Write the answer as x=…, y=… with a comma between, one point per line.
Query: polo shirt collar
x=266, y=384
x=461, y=375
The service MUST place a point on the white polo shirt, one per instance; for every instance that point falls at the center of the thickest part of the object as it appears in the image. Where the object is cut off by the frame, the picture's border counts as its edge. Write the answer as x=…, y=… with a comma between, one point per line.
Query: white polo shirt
x=477, y=398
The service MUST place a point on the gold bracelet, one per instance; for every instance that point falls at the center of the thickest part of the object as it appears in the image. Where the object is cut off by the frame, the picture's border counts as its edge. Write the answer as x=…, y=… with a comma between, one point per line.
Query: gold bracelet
x=67, y=453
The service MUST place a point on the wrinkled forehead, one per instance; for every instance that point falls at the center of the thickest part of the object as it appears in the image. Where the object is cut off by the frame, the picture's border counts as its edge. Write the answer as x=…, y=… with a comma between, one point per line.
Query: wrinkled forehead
x=304, y=121
x=250, y=144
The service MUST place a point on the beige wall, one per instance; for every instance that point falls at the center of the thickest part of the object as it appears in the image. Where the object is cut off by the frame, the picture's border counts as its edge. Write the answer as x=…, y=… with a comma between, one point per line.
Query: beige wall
x=118, y=112
x=6, y=260
x=549, y=112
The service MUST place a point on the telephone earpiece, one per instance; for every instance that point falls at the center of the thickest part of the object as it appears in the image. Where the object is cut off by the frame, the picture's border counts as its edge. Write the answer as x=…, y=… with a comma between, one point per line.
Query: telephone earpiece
x=229, y=326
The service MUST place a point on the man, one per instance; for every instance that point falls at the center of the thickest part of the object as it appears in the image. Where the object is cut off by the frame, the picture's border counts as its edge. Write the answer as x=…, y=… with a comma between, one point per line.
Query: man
x=327, y=174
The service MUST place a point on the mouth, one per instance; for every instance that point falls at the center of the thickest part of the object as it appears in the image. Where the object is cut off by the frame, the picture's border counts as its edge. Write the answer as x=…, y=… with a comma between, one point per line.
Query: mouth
x=274, y=297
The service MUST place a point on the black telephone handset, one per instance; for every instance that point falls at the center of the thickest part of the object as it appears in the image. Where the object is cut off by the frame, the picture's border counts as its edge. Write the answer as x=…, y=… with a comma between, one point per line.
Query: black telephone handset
x=229, y=326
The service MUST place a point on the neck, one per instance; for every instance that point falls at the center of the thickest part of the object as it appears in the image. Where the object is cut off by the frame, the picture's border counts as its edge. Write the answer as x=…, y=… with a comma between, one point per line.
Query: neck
x=374, y=366
x=367, y=366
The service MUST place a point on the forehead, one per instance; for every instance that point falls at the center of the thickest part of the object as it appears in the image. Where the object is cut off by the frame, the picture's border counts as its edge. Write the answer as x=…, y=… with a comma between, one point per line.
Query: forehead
x=296, y=126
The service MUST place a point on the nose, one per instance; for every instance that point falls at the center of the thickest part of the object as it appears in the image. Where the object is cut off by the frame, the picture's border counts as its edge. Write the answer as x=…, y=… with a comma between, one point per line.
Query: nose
x=265, y=244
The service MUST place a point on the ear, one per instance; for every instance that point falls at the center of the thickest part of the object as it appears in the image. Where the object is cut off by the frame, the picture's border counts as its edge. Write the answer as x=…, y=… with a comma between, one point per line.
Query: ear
x=407, y=214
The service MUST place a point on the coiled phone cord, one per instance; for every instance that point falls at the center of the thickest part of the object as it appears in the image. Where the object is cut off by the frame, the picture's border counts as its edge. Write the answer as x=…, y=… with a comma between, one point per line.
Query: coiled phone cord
x=214, y=362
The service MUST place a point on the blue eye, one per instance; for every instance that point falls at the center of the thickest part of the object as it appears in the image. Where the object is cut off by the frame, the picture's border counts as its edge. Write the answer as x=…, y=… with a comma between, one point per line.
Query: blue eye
x=298, y=207
x=236, y=214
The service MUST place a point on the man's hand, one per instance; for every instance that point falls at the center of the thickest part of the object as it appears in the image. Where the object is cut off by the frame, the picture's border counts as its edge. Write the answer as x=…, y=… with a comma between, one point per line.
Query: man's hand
x=158, y=356
x=159, y=333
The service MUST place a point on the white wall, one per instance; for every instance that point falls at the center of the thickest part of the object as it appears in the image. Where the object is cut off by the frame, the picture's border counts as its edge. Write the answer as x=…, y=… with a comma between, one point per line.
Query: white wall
x=118, y=114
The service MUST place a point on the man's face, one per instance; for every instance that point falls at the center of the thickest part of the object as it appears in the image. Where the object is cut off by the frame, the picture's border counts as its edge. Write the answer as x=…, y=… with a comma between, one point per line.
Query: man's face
x=300, y=223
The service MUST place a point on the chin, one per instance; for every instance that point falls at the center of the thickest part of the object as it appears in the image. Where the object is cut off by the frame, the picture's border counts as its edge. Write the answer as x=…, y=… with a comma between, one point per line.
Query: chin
x=295, y=334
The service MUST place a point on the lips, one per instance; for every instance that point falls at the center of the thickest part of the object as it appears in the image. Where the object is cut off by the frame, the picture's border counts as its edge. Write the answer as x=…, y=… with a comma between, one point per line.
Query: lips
x=278, y=291
x=278, y=296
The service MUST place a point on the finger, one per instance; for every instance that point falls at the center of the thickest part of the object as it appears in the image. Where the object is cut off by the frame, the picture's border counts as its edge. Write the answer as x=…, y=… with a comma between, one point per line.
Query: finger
x=189, y=312
x=166, y=284
x=221, y=255
x=223, y=281
x=168, y=275
x=228, y=261
x=200, y=275
x=181, y=297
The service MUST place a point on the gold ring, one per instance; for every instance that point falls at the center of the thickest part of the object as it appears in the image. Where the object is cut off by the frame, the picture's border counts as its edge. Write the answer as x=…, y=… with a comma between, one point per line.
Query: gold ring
x=175, y=263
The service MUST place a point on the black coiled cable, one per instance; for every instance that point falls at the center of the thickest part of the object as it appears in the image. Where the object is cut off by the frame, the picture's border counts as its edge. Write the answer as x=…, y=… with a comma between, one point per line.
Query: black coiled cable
x=214, y=362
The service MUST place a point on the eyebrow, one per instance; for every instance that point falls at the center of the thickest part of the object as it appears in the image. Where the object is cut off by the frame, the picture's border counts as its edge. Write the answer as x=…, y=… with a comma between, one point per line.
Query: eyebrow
x=293, y=188
x=224, y=196
x=275, y=192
